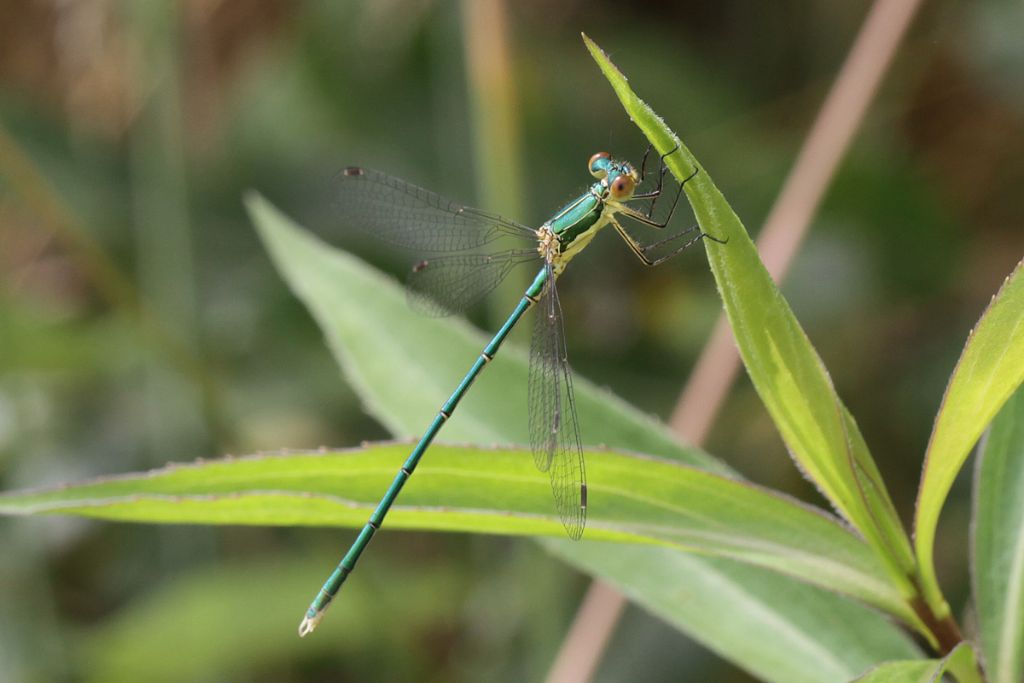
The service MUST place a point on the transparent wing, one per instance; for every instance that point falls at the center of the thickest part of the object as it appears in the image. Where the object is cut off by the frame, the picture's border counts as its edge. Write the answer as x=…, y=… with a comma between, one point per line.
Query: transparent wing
x=408, y=216
x=455, y=250
x=452, y=283
x=554, y=428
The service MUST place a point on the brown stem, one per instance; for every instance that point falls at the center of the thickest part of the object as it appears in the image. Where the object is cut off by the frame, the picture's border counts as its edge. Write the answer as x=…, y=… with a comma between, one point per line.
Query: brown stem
x=945, y=630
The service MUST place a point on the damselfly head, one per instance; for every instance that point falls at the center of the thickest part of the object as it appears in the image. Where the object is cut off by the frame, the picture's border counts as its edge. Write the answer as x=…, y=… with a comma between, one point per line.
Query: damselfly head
x=618, y=178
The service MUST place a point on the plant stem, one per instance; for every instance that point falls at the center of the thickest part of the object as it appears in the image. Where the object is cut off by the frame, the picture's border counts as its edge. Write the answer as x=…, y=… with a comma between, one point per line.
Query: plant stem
x=945, y=629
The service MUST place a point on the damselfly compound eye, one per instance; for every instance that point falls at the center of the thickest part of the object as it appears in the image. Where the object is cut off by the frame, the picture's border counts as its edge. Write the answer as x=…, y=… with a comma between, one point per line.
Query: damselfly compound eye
x=598, y=164
x=622, y=187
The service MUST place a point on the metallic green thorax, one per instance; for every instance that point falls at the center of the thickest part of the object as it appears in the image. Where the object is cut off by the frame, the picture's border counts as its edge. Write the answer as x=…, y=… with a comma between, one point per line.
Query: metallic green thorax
x=576, y=217
x=576, y=223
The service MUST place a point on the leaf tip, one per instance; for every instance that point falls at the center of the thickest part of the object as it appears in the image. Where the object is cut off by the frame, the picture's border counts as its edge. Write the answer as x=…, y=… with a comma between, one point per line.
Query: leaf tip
x=252, y=199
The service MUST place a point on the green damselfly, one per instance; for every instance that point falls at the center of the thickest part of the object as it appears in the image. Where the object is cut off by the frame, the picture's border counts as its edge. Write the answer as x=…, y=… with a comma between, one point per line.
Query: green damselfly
x=461, y=259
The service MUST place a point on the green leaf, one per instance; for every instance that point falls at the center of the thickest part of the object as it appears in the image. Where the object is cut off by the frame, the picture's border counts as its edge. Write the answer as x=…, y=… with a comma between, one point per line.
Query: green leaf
x=960, y=663
x=785, y=369
x=914, y=671
x=990, y=369
x=634, y=499
x=997, y=549
x=384, y=349
x=775, y=628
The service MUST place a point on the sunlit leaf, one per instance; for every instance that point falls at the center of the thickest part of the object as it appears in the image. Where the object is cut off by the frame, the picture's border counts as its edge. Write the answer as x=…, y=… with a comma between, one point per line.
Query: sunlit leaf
x=784, y=367
x=990, y=368
x=634, y=499
x=405, y=365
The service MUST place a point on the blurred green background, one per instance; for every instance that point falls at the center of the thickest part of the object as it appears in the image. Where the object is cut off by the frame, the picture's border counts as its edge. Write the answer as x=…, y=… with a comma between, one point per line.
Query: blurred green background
x=128, y=133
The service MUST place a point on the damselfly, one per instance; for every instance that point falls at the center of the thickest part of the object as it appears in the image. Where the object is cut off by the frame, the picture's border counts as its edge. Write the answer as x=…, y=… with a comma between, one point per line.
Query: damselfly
x=461, y=260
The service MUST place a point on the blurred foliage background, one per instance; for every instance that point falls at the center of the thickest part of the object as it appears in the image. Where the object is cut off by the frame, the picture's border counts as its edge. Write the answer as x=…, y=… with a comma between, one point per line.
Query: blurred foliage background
x=128, y=133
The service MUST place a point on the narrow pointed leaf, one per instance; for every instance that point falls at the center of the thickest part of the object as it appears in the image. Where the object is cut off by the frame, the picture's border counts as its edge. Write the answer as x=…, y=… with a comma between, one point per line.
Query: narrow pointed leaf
x=385, y=351
x=636, y=499
x=997, y=550
x=785, y=369
x=990, y=368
